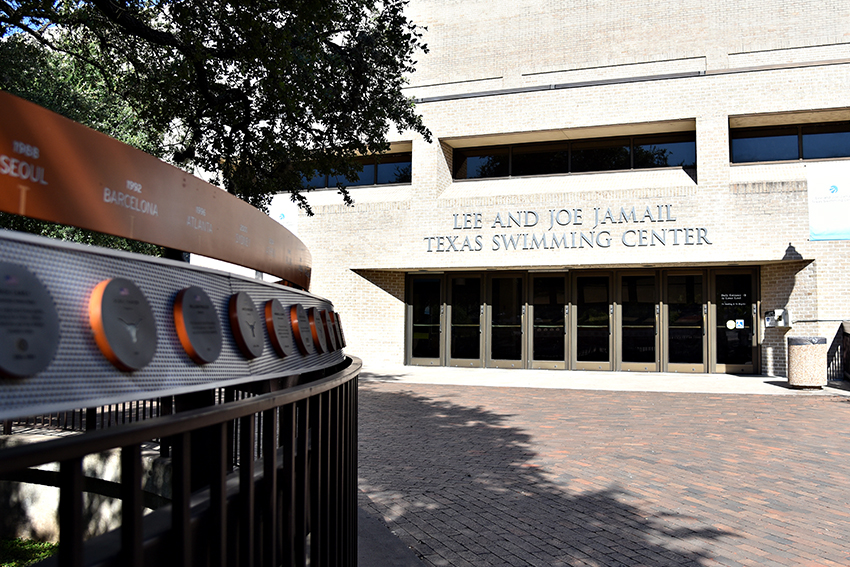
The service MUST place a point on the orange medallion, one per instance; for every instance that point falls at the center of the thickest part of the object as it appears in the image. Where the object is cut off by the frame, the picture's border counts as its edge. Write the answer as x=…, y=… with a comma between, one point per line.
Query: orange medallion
x=122, y=322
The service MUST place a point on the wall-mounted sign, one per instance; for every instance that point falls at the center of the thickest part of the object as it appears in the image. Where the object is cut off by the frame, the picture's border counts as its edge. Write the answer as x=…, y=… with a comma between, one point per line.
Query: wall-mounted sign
x=317, y=330
x=245, y=324
x=279, y=327
x=123, y=325
x=54, y=169
x=301, y=328
x=829, y=200
x=197, y=324
x=29, y=325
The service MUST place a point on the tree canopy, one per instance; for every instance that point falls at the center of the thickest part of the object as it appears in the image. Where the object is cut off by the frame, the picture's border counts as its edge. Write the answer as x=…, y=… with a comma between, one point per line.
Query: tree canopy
x=263, y=94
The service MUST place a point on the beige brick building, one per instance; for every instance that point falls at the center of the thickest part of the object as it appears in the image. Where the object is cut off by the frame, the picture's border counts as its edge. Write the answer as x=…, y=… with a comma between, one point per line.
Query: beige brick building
x=616, y=184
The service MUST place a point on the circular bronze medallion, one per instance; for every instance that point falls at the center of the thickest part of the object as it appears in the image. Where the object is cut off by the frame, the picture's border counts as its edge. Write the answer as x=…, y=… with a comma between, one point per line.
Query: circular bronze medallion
x=29, y=324
x=198, y=326
x=339, y=327
x=123, y=324
x=335, y=327
x=245, y=325
x=279, y=327
x=301, y=328
x=330, y=337
x=317, y=330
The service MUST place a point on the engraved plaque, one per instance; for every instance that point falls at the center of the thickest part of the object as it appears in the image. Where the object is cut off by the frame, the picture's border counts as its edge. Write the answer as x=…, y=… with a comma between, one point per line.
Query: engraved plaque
x=123, y=324
x=245, y=324
x=197, y=324
x=279, y=326
x=301, y=328
x=317, y=330
x=330, y=338
x=29, y=325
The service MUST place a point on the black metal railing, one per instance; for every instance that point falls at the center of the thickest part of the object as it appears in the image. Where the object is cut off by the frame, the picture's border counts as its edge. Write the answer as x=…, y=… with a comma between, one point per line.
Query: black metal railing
x=277, y=484
x=87, y=419
x=845, y=351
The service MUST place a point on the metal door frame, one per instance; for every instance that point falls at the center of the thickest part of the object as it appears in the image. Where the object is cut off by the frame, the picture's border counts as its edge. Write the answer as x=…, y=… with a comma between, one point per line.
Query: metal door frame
x=408, y=326
x=467, y=362
x=754, y=310
x=619, y=363
x=666, y=365
x=491, y=362
x=573, y=353
x=547, y=364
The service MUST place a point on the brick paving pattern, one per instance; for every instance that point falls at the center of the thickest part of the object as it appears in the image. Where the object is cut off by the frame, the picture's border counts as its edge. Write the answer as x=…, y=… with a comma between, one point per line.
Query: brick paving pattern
x=470, y=476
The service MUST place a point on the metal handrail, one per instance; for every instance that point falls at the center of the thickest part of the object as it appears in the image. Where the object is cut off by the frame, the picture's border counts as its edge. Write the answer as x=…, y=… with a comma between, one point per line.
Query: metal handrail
x=25, y=456
x=307, y=502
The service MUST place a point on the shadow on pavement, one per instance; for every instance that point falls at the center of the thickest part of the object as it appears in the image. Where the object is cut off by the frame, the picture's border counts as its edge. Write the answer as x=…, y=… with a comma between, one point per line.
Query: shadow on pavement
x=456, y=484
x=366, y=376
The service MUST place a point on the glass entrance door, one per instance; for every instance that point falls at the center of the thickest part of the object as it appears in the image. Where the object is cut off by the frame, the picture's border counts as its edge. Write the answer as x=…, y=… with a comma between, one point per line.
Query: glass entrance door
x=548, y=321
x=733, y=315
x=592, y=322
x=506, y=313
x=638, y=330
x=676, y=320
x=425, y=312
x=684, y=313
x=466, y=311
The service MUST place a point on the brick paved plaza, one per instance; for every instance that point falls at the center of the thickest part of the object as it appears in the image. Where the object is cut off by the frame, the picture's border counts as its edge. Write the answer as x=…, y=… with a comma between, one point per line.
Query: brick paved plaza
x=522, y=476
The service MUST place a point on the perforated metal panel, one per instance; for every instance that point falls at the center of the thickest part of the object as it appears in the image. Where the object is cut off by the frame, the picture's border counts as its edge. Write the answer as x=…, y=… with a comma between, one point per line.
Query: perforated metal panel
x=80, y=376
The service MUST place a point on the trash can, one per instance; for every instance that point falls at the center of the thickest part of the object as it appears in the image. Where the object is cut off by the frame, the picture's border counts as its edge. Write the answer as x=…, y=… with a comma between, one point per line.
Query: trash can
x=807, y=362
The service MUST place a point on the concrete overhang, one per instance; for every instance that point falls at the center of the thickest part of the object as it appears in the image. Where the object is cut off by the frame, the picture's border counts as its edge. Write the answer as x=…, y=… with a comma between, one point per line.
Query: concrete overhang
x=577, y=267
x=563, y=134
x=781, y=118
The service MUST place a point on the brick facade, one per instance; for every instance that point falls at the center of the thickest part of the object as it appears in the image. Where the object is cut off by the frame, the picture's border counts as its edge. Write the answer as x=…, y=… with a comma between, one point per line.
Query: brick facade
x=620, y=67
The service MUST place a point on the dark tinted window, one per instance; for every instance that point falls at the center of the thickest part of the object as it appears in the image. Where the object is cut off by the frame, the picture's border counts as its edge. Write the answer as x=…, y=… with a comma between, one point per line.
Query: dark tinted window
x=365, y=177
x=394, y=168
x=490, y=162
x=665, y=151
x=600, y=155
x=818, y=141
x=314, y=182
x=764, y=144
x=388, y=168
x=826, y=141
x=540, y=159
